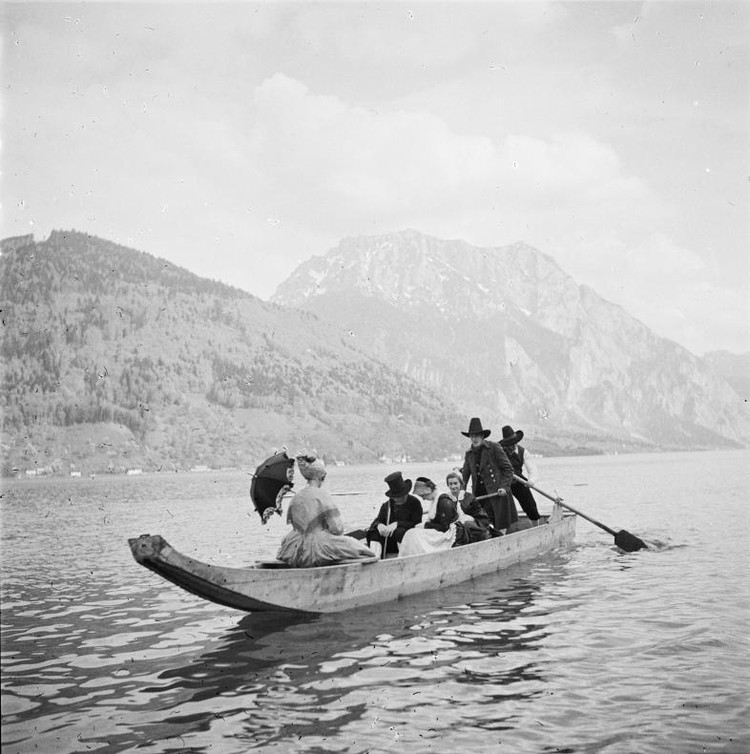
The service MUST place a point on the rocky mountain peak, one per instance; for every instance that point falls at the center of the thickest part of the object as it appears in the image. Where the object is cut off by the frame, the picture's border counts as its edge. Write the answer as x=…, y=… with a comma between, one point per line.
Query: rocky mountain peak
x=413, y=271
x=410, y=269
x=505, y=331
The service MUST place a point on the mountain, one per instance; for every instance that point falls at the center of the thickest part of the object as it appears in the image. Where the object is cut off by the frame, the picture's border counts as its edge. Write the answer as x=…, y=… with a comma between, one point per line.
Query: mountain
x=734, y=368
x=507, y=335
x=114, y=359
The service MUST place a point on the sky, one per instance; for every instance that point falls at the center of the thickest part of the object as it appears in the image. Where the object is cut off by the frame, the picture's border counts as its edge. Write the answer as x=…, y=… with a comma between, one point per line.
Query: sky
x=239, y=139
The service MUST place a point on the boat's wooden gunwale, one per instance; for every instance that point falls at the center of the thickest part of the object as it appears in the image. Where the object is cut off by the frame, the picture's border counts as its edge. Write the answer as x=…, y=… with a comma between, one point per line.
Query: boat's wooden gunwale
x=342, y=587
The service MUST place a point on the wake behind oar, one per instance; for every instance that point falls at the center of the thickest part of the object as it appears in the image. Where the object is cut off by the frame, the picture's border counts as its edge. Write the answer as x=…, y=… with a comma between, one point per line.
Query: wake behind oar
x=623, y=539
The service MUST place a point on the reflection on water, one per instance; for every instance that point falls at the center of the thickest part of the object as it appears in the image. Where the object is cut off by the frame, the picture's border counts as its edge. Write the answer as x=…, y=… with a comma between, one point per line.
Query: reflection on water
x=562, y=653
x=162, y=671
x=318, y=671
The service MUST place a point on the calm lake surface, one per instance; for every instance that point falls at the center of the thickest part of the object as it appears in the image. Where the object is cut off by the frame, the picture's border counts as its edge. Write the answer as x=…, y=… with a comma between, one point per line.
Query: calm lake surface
x=586, y=649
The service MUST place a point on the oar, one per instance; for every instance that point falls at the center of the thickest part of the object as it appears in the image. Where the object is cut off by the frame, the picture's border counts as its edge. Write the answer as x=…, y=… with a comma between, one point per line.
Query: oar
x=623, y=539
x=292, y=493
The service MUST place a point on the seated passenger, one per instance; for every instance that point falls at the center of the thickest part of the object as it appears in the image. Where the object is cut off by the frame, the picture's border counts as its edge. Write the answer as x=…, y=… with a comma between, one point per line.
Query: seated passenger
x=443, y=515
x=459, y=495
x=401, y=512
x=473, y=521
x=317, y=535
x=425, y=490
x=438, y=531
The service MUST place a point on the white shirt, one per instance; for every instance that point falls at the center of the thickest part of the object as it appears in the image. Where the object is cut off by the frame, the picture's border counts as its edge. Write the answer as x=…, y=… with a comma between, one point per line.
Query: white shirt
x=461, y=515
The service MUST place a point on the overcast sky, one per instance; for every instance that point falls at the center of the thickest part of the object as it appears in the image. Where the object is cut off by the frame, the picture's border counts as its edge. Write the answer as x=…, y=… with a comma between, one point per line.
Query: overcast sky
x=237, y=140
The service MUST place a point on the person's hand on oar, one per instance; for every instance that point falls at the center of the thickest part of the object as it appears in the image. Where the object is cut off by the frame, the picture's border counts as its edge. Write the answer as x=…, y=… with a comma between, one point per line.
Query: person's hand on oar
x=385, y=530
x=623, y=539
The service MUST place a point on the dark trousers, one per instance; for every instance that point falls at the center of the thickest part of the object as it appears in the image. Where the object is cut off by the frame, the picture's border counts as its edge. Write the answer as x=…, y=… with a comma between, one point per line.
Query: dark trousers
x=525, y=499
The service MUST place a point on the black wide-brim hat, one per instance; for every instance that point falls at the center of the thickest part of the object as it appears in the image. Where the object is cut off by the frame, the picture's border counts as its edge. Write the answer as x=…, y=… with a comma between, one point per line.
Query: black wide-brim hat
x=475, y=428
x=397, y=485
x=511, y=436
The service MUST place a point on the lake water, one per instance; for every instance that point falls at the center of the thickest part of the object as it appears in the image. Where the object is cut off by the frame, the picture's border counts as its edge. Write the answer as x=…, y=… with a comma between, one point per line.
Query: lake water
x=586, y=649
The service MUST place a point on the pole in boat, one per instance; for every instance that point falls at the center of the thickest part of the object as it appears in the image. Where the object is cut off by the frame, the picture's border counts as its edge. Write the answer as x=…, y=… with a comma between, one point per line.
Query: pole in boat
x=387, y=523
x=623, y=539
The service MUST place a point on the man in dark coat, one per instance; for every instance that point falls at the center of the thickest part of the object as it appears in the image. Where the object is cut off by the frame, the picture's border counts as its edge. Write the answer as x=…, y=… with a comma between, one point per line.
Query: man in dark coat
x=397, y=515
x=517, y=457
x=491, y=473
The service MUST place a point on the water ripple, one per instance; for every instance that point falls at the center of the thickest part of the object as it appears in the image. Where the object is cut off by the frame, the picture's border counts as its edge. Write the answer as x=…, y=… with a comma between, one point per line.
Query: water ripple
x=584, y=650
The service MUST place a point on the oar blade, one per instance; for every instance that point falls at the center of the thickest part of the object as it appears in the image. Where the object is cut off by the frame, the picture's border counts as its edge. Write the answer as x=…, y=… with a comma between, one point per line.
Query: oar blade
x=629, y=542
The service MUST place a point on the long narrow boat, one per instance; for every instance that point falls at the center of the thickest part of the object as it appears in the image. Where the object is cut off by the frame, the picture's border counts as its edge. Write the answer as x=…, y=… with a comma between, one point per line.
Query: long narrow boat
x=328, y=589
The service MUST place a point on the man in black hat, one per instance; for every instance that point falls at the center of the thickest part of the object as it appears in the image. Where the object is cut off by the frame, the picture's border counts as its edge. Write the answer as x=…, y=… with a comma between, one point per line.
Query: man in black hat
x=396, y=516
x=520, y=462
x=491, y=473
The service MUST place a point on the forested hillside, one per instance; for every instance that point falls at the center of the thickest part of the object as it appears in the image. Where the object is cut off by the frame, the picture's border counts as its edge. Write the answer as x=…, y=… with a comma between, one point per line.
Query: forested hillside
x=114, y=359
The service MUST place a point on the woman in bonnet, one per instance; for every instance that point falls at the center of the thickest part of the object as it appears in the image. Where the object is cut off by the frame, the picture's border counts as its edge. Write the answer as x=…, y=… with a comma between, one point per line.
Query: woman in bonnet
x=317, y=536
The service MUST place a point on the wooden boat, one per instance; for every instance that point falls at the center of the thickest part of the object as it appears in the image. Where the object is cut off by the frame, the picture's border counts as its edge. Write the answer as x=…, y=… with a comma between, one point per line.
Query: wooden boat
x=327, y=589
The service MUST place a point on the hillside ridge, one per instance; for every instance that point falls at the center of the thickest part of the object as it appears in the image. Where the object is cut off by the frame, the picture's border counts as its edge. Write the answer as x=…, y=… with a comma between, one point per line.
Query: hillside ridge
x=113, y=359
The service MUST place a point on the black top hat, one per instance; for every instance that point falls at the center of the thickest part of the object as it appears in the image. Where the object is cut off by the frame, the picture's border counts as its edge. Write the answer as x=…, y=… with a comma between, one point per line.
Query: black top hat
x=510, y=437
x=397, y=485
x=475, y=428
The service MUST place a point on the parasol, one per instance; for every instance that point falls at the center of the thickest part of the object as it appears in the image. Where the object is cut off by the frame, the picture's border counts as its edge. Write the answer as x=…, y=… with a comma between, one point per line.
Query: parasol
x=270, y=481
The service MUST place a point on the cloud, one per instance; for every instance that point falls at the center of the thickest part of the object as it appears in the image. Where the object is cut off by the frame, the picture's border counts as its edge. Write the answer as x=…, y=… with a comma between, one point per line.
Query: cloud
x=346, y=163
x=342, y=164
x=393, y=36
x=668, y=287
x=341, y=169
x=193, y=134
x=572, y=166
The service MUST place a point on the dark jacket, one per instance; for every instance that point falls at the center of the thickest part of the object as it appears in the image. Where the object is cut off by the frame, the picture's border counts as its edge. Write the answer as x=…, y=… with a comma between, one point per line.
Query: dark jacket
x=446, y=514
x=495, y=470
x=407, y=515
x=475, y=509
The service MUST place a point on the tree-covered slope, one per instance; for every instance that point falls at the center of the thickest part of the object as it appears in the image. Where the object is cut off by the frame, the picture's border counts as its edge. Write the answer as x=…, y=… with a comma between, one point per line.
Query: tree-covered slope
x=112, y=358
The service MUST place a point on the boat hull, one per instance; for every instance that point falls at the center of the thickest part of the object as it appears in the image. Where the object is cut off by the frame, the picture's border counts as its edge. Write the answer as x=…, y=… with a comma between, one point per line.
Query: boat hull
x=346, y=586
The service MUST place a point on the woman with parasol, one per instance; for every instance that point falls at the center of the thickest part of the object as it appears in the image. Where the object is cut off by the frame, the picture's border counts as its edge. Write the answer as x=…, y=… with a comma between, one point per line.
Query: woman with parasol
x=317, y=537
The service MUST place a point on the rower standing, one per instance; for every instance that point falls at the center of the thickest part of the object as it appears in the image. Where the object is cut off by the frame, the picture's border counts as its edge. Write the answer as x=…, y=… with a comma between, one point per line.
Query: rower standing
x=519, y=459
x=491, y=473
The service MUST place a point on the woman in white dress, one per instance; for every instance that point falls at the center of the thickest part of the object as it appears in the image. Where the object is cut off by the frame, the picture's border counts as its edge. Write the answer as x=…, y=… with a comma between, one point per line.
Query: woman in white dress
x=438, y=532
x=317, y=537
